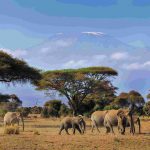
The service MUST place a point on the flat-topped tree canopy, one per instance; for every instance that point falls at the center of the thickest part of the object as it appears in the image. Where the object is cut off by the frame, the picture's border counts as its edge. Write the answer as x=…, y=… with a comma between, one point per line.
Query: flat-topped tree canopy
x=16, y=70
x=88, y=70
x=76, y=84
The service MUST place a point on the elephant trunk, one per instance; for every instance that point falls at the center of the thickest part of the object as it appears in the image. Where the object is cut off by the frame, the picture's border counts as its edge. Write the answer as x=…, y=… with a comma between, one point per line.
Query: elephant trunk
x=132, y=125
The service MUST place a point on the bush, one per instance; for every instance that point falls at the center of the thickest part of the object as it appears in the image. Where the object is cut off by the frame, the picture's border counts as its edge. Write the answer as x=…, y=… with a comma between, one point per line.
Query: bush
x=146, y=108
x=36, y=110
x=109, y=107
x=11, y=129
x=45, y=113
x=2, y=112
x=64, y=110
x=36, y=132
x=25, y=111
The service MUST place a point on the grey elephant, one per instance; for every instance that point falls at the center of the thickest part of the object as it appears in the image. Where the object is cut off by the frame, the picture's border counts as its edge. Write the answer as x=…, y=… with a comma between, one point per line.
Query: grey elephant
x=97, y=119
x=74, y=123
x=12, y=118
x=118, y=118
x=136, y=120
x=113, y=118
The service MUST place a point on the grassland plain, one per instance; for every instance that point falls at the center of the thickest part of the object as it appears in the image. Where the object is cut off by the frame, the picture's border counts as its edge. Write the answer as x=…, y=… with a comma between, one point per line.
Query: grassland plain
x=48, y=138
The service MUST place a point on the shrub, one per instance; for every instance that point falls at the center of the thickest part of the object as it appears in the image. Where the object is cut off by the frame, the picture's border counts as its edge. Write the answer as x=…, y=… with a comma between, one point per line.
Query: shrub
x=11, y=129
x=45, y=113
x=2, y=112
x=146, y=108
x=36, y=132
x=64, y=110
x=109, y=107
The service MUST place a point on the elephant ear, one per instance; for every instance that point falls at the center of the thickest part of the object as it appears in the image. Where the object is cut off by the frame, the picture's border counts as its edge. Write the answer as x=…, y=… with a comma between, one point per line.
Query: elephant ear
x=18, y=114
x=80, y=116
x=120, y=112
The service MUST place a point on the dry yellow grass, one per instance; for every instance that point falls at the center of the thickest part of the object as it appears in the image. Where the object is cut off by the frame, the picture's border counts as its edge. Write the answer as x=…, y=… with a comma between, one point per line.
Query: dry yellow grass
x=11, y=129
x=50, y=140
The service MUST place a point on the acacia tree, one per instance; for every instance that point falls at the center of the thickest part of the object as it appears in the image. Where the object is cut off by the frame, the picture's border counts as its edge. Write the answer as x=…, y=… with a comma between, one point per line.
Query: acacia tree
x=14, y=70
x=9, y=102
x=76, y=84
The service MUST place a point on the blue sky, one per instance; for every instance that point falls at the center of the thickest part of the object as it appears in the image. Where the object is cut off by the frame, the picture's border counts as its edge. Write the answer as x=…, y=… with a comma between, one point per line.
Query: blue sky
x=56, y=34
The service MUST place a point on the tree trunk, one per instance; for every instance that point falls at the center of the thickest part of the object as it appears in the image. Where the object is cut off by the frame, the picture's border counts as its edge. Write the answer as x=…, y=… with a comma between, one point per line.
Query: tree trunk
x=74, y=106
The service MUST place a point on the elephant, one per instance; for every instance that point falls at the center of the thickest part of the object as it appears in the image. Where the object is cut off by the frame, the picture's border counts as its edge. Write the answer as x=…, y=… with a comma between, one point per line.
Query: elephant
x=74, y=123
x=12, y=118
x=136, y=120
x=118, y=118
x=97, y=119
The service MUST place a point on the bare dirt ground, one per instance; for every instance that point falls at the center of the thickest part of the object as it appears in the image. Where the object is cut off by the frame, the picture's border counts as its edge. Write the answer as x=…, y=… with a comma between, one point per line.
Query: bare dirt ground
x=48, y=138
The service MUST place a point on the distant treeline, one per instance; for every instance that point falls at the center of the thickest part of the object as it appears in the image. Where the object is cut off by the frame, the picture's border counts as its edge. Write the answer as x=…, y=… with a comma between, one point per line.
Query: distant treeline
x=55, y=108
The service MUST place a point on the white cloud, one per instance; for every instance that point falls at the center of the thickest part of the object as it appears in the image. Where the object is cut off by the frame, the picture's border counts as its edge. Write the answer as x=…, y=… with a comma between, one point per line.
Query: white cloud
x=120, y=56
x=137, y=66
x=99, y=57
x=95, y=60
x=146, y=64
x=75, y=64
x=56, y=45
x=15, y=53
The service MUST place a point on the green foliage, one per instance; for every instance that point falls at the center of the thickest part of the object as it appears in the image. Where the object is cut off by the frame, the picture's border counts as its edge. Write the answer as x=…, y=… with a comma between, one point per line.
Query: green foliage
x=92, y=70
x=146, y=108
x=148, y=96
x=54, y=108
x=4, y=97
x=136, y=98
x=76, y=84
x=36, y=110
x=109, y=107
x=122, y=100
x=2, y=112
x=45, y=112
x=56, y=104
x=25, y=111
x=64, y=110
x=16, y=70
x=9, y=102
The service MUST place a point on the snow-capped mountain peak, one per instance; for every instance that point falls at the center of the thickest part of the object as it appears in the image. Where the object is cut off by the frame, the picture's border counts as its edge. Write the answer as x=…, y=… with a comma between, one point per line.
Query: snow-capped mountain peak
x=94, y=33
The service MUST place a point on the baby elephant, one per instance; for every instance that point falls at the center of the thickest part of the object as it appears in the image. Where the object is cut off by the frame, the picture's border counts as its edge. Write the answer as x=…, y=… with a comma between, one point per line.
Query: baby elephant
x=74, y=123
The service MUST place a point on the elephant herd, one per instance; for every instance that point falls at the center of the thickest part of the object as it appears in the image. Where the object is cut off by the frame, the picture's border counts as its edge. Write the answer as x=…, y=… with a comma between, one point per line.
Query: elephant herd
x=121, y=118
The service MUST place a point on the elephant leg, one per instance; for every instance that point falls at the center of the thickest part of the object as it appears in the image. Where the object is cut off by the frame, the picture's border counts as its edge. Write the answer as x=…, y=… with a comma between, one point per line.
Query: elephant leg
x=92, y=127
x=66, y=129
x=107, y=130
x=110, y=127
x=80, y=131
x=74, y=130
x=112, y=130
x=79, y=128
x=95, y=124
x=61, y=128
